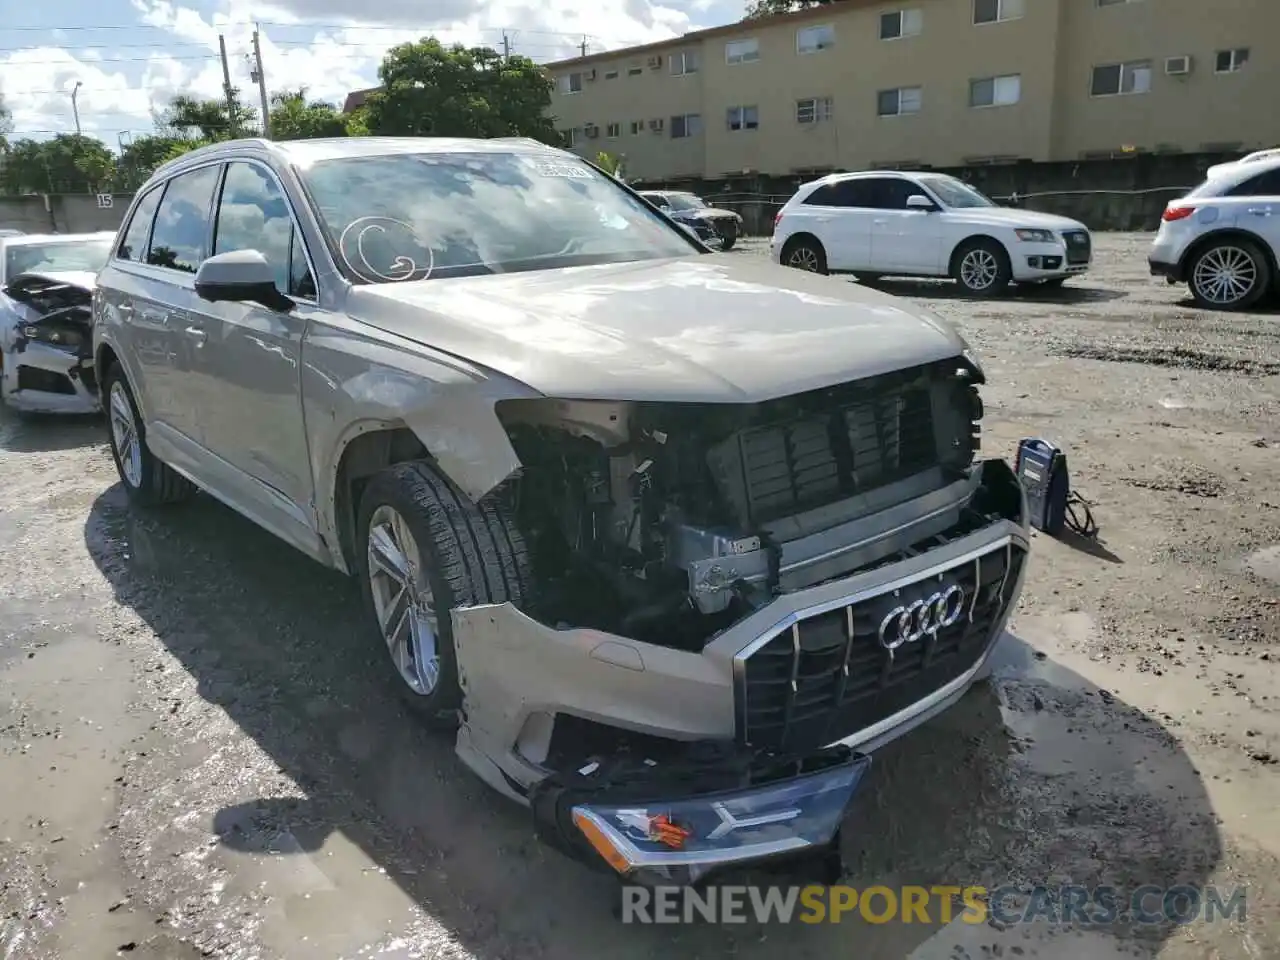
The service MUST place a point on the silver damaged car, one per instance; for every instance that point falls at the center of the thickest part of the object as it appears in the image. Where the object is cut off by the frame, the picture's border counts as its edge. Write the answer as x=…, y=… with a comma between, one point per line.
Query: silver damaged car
x=673, y=539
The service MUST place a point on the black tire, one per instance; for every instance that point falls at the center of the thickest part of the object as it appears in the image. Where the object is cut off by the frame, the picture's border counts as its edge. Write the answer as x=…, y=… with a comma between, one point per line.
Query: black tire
x=157, y=483
x=472, y=554
x=1242, y=254
x=728, y=240
x=1000, y=273
x=804, y=251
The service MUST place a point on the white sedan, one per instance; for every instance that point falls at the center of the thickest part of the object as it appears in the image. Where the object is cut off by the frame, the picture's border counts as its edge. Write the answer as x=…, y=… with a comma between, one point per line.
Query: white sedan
x=46, y=283
x=889, y=223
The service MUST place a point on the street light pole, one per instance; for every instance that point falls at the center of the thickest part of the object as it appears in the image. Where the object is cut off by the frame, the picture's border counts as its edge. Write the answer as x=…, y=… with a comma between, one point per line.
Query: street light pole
x=75, y=110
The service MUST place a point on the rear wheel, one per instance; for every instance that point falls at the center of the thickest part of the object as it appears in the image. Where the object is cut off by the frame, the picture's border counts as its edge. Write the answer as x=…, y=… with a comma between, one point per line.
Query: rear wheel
x=805, y=254
x=426, y=549
x=1229, y=275
x=982, y=268
x=147, y=480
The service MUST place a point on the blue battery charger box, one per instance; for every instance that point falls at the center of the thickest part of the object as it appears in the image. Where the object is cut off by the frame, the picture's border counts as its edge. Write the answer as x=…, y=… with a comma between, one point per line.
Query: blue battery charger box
x=1041, y=467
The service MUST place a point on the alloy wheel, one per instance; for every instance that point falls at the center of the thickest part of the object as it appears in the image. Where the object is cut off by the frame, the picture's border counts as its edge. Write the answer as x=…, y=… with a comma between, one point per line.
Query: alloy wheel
x=803, y=258
x=1225, y=275
x=979, y=269
x=403, y=601
x=124, y=435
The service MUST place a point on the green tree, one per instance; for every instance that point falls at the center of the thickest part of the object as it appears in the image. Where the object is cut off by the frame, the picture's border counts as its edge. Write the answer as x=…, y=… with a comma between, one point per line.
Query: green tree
x=432, y=90
x=6, y=124
x=187, y=118
x=769, y=8
x=69, y=163
x=609, y=163
x=293, y=117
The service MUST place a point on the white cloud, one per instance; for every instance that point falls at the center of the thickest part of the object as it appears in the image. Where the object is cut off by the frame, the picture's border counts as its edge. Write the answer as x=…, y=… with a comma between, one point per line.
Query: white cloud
x=329, y=46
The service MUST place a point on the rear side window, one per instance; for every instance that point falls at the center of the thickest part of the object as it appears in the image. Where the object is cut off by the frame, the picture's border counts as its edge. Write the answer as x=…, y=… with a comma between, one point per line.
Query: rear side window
x=1265, y=184
x=861, y=193
x=181, y=231
x=134, y=245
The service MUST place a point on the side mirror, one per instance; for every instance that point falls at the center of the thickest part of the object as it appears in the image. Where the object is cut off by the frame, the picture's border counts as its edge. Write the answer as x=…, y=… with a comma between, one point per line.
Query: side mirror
x=240, y=276
x=918, y=201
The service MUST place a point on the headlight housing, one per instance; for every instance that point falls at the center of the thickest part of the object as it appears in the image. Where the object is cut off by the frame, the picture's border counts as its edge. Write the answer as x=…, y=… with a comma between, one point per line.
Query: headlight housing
x=1032, y=235
x=57, y=336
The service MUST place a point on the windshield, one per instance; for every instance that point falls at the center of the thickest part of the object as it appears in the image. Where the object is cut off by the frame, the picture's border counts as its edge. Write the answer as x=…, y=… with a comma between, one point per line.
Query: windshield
x=90, y=255
x=685, y=201
x=417, y=216
x=956, y=193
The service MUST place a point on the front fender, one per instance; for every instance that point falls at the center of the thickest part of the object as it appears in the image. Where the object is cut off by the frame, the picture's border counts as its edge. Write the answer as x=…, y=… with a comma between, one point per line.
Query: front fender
x=356, y=379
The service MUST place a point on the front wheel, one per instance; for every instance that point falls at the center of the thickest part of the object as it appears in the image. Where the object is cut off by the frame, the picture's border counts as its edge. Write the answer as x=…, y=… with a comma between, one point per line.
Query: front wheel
x=147, y=480
x=727, y=241
x=1229, y=275
x=425, y=550
x=982, y=268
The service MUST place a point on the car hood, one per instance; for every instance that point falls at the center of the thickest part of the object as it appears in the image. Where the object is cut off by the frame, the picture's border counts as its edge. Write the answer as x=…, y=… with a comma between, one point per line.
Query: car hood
x=711, y=328
x=1013, y=217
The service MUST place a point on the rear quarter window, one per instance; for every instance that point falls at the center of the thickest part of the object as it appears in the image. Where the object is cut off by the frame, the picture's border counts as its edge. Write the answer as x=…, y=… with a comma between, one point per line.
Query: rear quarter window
x=133, y=245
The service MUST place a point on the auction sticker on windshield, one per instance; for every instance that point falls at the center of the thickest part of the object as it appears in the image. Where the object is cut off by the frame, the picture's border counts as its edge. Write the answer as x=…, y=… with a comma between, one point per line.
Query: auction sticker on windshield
x=572, y=171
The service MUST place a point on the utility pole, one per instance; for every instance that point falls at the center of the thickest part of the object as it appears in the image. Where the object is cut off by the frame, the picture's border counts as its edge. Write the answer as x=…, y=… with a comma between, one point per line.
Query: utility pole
x=506, y=46
x=226, y=80
x=262, y=85
x=583, y=46
x=75, y=110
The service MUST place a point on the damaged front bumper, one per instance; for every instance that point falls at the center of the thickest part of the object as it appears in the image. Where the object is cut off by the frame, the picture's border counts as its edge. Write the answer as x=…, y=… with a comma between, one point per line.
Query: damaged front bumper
x=685, y=820
x=46, y=352
x=751, y=748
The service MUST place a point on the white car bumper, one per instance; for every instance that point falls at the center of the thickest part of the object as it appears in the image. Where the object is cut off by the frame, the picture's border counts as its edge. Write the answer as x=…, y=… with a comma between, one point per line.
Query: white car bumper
x=39, y=378
x=1049, y=261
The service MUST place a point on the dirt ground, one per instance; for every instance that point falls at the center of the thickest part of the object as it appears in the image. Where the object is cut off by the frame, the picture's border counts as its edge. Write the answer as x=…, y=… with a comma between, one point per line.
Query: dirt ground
x=199, y=755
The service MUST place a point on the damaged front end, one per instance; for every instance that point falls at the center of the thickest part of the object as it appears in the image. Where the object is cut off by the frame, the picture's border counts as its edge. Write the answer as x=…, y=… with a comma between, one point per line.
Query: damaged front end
x=46, y=342
x=735, y=605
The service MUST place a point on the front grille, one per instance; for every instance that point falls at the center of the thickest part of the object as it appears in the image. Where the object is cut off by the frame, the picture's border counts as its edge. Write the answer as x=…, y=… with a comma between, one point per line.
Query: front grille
x=1079, y=246
x=827, y=676
x=838, y=446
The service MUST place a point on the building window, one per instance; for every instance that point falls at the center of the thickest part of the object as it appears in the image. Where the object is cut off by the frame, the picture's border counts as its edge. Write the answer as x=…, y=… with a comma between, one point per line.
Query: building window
x=743, y=118
x=572, y=137
x=637, y=127
x=813, y=39
x=611, y=74
x=895, y=103
x=613, y=131
x=995, y=11
x=1229, y=61
x=813, y=110
x=995, y=91
x=635, y=70
x=686, y=125
x=1113, y=79
x=742, y=51
x=571, y=83
x=684, y=63
x=901, y=23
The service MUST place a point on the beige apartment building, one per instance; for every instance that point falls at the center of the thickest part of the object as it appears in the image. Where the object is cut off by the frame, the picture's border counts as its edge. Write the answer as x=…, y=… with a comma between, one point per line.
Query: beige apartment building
x=857, y=84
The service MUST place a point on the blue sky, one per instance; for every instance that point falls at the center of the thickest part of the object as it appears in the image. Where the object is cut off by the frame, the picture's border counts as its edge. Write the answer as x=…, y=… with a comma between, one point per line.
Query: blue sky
x=131, y=56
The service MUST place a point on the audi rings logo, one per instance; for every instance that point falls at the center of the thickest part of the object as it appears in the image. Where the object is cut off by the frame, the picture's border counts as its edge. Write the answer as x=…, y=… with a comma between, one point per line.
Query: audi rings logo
x=923, y=618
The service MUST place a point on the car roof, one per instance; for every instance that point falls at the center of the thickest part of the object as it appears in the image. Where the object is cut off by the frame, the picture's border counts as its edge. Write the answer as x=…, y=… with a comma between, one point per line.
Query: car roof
x=1237, y=172
x=303, y=153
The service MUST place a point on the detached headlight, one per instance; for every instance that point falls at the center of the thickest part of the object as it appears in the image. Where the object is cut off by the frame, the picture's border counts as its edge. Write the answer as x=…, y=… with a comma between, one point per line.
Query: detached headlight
x=55, y=336
x=1035, y=236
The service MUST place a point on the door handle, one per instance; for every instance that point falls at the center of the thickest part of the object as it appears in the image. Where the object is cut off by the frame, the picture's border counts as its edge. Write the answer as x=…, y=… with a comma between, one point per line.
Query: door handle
x=880, y=223
x=125, y=310
x=1260, y=211
x=198, y=335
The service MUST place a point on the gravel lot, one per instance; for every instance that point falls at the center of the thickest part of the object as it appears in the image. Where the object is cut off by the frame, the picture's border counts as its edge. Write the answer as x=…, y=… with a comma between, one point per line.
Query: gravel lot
x=198, y=756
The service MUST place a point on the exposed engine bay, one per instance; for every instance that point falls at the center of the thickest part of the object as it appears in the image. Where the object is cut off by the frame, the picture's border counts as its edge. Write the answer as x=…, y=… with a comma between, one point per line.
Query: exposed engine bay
x=669, y=522
x=46, y=338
